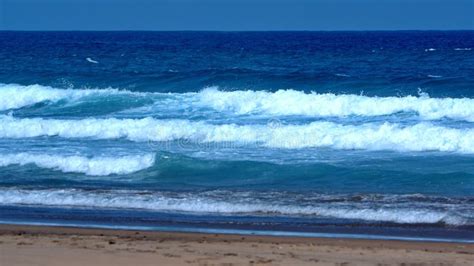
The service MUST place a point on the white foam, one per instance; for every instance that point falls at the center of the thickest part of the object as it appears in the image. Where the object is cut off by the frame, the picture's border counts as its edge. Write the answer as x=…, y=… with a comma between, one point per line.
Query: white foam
x=386, y=136
x=90, y=60
x=279, y=103
x=96, y=166
x=196, y=203
x=462, y=49
x=13, y=96
x=430, y=50
x=291, y=102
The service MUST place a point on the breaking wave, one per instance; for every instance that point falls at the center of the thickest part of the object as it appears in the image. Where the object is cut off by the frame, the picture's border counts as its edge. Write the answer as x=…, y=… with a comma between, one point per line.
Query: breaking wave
x=279, y=103
x=197, y=203
x=13, y=96
x=370, y=136
x=95, y=166
x=291, y=102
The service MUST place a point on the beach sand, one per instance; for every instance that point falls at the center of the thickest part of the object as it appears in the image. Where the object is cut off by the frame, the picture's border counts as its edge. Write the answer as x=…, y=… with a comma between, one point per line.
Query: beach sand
x=42, y=245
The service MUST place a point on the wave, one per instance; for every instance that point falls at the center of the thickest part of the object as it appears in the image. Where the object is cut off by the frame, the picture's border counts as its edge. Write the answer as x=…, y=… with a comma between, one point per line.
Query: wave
x=279, y=103
x=370, y=136
x=235, y=204
x=95, y=166
x=291, y=102
x=90, y=60
x=14, y=96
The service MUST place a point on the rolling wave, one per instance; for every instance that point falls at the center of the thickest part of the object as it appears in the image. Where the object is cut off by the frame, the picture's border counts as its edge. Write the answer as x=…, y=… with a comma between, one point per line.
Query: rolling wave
x=237, y=204
x=95, y=166
x=370, y=136
x=279, y=103
x=291, y=102
x=14, y=96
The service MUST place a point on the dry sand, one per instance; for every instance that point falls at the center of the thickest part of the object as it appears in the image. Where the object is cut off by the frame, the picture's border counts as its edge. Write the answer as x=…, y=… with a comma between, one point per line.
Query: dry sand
x=35, y=245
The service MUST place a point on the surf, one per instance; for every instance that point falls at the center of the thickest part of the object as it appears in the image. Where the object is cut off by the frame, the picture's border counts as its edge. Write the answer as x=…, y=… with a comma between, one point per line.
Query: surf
x=243, y=103
x=237, y=204
x=368, y=136
x=93, y=166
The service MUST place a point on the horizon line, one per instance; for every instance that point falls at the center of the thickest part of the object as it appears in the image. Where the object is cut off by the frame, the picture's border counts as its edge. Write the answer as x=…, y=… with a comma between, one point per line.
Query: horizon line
x=204, y=30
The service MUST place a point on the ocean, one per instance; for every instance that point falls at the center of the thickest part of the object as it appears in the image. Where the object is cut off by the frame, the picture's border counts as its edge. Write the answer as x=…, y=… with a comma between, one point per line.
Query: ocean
x=354, y=134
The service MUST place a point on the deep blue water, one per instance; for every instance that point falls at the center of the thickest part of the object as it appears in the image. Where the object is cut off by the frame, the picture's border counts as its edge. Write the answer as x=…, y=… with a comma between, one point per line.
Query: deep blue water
x=317, y=132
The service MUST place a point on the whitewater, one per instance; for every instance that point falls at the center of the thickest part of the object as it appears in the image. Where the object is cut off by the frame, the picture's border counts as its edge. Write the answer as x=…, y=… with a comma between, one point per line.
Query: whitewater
x=279, y=103
x=386, y=136
x=95, y=166
x=208, y=203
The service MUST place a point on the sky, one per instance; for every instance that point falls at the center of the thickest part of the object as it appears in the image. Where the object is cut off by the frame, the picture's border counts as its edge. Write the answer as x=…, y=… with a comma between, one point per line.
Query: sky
x=236, y=14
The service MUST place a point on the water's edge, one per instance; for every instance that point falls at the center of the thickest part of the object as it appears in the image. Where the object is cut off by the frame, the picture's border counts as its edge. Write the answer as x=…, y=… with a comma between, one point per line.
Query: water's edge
x=241, y=232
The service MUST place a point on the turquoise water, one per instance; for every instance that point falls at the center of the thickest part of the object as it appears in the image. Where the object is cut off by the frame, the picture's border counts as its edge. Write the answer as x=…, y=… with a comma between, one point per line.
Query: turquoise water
x=359, y=133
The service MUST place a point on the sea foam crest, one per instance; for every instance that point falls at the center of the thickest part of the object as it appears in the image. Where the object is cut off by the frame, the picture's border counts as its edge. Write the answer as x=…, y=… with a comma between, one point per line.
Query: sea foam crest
x=281, y=102
x=291, y=102
x=202, y=204
x=370, y=136
x=14, y=96
x=96, y=166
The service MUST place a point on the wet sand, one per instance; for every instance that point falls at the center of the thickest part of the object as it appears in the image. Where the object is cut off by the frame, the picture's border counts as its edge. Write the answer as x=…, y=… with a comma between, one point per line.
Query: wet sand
x=42, y=245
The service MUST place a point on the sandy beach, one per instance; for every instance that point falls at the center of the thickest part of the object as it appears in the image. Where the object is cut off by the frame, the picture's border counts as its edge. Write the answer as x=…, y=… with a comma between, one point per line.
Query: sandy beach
x=41, y=245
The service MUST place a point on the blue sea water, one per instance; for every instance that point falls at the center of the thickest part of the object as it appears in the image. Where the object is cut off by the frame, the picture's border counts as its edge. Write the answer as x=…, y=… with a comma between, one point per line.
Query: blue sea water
x=354, y=133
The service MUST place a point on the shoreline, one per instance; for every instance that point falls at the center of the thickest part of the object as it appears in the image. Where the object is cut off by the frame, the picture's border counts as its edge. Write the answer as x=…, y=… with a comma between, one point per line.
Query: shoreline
x=55, y=245
x=245, y=232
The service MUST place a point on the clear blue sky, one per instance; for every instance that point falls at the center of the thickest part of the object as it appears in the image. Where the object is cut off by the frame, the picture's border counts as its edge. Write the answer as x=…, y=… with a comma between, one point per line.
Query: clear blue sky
x=236, y=14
